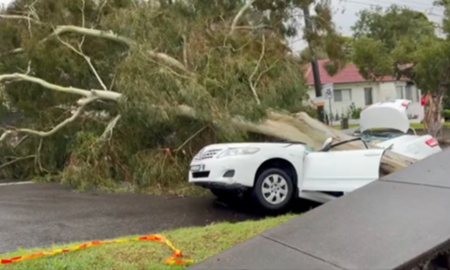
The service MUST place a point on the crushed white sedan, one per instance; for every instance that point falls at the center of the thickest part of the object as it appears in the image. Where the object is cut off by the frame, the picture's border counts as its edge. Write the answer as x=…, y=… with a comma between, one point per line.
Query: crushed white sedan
x=272, y=175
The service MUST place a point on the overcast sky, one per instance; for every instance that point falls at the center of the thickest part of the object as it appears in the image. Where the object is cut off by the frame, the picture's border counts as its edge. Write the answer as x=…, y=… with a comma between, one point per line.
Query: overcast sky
x=345, y=13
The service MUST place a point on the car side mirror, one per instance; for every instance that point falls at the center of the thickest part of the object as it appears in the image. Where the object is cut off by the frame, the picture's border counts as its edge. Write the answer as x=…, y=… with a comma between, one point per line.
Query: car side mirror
x=327, y=144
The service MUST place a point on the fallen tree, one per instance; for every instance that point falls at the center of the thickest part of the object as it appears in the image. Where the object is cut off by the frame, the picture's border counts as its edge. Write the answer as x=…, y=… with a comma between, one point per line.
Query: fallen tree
x=232, y=82
x=298, y=127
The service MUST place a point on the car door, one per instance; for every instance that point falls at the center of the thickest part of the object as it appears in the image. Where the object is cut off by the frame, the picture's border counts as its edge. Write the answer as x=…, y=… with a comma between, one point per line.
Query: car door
x=341, y=171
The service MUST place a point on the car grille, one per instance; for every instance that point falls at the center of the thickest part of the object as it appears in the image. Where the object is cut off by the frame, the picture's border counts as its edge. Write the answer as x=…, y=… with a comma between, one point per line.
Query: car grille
x=207, y=154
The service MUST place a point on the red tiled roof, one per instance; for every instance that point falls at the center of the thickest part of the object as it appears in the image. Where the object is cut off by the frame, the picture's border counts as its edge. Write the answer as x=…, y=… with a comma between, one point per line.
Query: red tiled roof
x=349, y=74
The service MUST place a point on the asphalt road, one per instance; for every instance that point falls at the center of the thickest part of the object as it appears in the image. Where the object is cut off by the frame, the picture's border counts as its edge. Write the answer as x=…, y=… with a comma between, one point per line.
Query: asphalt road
x=41, y=215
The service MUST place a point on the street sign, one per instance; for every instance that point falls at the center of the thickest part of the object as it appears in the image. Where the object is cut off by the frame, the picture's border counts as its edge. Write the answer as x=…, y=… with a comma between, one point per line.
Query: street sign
x=327, y=91
x=328, y=94
x=319, y=102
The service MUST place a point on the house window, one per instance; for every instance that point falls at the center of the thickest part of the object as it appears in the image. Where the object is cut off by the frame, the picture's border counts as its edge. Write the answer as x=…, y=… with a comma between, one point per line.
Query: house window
x=412, y=93
x=368, y=95
x=409, y=93
x=342, y=95
x=399, y=92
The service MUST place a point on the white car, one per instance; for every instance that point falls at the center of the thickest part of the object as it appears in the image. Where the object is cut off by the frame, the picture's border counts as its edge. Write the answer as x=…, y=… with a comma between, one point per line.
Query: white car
x=274, y=174
x=387, y=125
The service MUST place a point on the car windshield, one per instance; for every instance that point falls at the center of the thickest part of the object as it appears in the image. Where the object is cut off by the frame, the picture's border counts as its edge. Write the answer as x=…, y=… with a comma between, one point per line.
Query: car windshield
x=380, y=134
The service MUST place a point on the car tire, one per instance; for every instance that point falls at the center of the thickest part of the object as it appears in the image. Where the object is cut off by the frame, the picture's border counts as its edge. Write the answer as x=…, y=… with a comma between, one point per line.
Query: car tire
x=271, y=197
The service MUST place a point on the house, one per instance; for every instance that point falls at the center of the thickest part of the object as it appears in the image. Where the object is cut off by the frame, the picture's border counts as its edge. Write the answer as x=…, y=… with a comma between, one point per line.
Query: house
x=350, y=87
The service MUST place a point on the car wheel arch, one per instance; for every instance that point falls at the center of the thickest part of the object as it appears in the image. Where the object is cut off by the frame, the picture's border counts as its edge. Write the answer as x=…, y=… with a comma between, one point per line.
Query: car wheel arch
x=278, y=163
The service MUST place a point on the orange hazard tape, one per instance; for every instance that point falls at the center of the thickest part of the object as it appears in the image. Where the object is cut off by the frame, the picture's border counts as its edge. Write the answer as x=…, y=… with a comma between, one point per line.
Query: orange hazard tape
x=175, y=259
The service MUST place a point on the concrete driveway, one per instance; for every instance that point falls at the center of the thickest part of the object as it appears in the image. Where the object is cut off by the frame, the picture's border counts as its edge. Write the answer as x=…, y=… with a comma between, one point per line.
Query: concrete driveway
x=40, y=215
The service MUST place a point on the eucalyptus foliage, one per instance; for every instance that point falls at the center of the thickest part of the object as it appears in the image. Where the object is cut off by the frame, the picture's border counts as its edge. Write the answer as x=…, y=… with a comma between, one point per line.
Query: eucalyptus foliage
x=152, y=142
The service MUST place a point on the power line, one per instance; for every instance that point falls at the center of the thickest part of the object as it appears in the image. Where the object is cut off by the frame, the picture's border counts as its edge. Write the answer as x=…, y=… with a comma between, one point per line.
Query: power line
x=426, y=4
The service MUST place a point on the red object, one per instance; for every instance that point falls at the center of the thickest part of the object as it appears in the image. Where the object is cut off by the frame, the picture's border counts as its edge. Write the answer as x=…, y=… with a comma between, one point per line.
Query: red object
x=424, y=100
x=432, y=142
x=405, y=104
x=349, y=74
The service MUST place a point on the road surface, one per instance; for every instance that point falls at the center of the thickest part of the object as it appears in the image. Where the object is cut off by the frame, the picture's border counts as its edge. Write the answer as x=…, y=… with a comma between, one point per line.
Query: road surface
x=40, y=215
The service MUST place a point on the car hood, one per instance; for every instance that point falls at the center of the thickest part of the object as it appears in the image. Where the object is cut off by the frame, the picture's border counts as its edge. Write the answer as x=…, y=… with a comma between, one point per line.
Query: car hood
x=386, y=115
x=236, y=145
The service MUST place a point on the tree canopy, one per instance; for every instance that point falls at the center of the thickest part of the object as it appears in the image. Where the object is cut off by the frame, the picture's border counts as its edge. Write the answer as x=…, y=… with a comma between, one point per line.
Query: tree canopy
x=402, y=42
x=108, y=93
x=144, y=85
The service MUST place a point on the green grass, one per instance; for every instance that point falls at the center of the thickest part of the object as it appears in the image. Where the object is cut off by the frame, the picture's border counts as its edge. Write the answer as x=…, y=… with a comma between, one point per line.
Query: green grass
x=196, y=243
x=413, y=125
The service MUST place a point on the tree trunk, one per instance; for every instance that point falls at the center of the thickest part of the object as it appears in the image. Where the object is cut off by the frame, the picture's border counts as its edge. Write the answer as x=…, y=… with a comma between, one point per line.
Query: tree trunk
x=433, y=119
x=299, y=127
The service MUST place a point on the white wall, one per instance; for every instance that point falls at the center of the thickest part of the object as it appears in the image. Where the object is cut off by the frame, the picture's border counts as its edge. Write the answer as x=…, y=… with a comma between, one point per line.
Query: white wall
x=381, y=91
x=357, y=90
x=386, y=91
x=389, y=91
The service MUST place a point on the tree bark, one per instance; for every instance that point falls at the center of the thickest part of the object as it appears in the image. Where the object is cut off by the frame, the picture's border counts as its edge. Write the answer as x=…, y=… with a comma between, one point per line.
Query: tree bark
x=433, y=119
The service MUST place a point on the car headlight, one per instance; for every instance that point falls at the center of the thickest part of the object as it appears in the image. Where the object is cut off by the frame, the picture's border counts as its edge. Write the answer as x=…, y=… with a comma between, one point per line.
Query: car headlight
x=238, y=151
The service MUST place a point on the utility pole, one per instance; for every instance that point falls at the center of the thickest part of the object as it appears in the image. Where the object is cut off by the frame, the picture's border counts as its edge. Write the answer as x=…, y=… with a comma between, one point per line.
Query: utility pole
x=315, y=66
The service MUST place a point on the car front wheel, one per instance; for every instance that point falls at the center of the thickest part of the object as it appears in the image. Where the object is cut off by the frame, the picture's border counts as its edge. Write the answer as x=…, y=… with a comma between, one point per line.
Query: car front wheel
x=273, y=190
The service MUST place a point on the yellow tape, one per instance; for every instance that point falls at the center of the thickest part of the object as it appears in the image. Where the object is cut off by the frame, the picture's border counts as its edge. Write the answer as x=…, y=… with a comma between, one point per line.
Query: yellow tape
x=174, y=259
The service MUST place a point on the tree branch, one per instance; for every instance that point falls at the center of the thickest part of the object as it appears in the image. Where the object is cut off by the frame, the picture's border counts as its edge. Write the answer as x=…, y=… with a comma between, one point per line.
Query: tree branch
x=252, y=28
x=4, y=165
x=250, y=79
x=190, y=138
x=109, y=35
x=86, y=58
x=100, y=94
x=185, y=52
x=19, y=17
x=89, y=97
x=110, y=128
x=239, y=15
x=53, y=130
